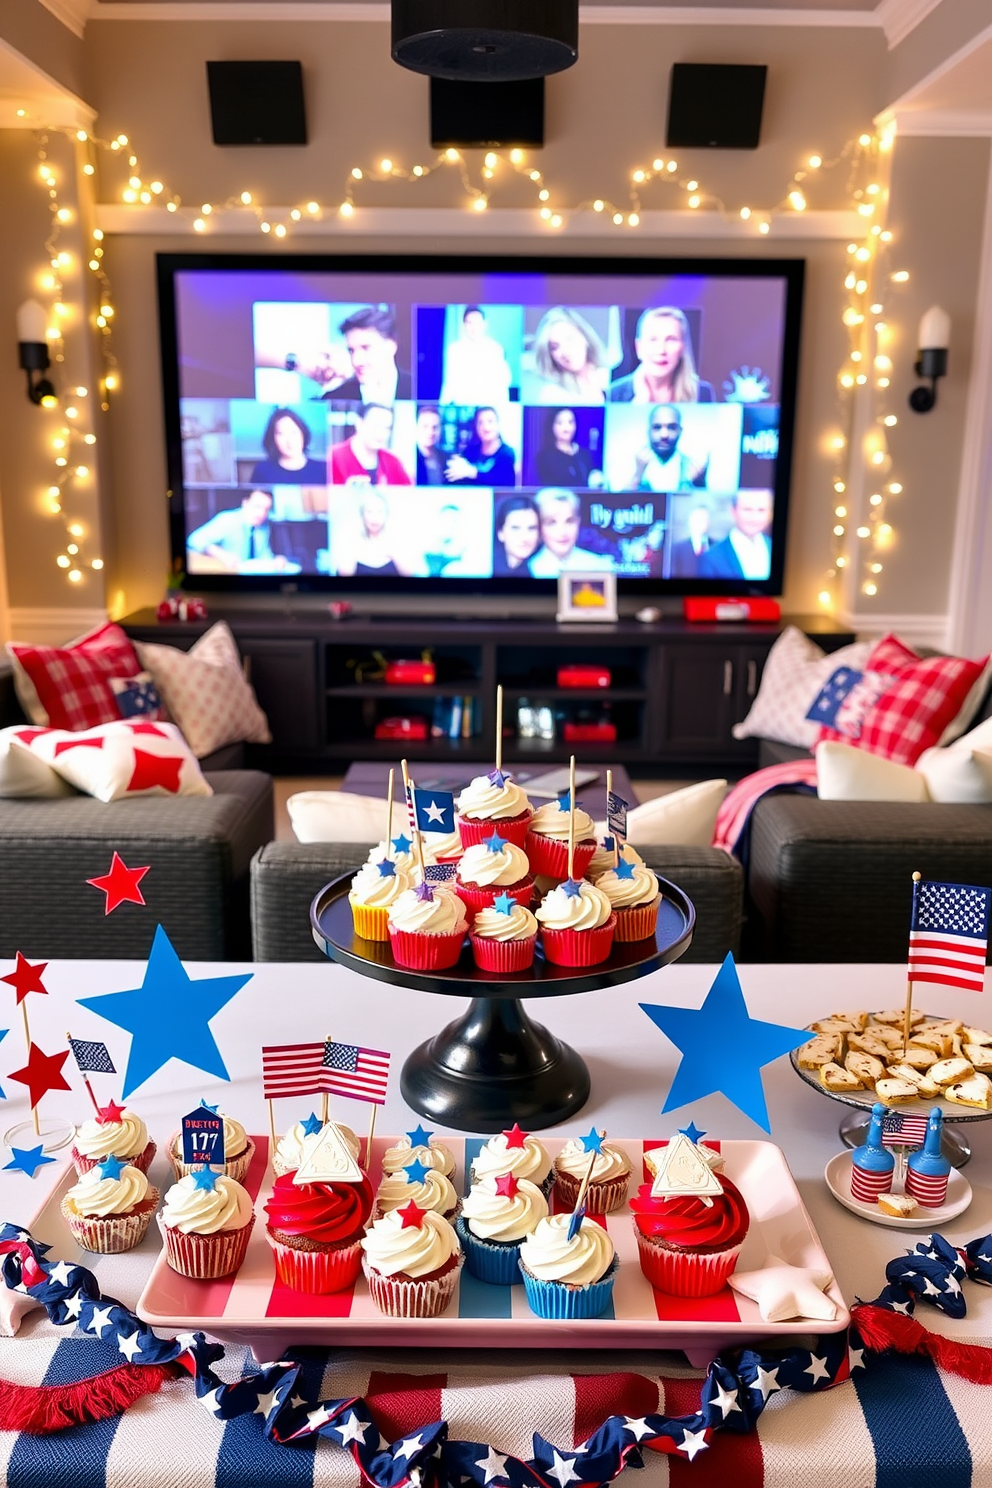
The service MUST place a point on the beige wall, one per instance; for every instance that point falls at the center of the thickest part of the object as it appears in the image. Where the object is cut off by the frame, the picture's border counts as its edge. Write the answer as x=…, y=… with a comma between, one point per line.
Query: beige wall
x=34, y=32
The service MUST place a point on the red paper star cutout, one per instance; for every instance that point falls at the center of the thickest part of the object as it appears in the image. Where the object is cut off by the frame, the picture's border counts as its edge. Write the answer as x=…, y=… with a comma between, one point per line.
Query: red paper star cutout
x=148, y=728
x=111, y=1113
x=65, y=744
x=121, y=884
x=26, y=978
x=155, y=769
x=412, y=1216
x=507, y=1185
x=515, y=1137
x=42, y=1073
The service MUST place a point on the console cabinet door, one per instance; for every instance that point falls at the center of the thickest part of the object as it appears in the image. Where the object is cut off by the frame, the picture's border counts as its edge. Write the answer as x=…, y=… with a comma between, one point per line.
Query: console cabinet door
x=284, y=676
x=697, y=695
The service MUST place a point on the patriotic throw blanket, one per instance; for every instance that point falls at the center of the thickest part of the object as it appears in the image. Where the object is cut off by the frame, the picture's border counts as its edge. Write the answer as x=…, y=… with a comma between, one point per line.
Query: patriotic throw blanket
x=912, y=1423
x=733, y=822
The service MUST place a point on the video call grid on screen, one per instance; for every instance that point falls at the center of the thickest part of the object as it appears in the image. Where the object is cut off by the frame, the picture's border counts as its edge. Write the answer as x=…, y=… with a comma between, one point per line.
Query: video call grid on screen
x=466, y=425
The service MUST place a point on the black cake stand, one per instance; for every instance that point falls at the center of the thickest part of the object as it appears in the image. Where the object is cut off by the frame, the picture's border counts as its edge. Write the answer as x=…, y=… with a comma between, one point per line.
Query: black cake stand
x=493, y=1066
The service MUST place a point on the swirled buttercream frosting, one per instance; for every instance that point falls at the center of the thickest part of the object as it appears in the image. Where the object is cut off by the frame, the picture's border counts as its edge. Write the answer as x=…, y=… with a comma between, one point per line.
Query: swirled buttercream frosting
x=492, y=924
x=434, y=1155
x=497, y=1156
x=550, y=1256
x=504, y=1217
x=624, y=893
x=443, y=844
x=484, y=801
x=685, y=1222
x=610, y=1161
x=395, y=1249
x=604, y=858
x=327, y=1213
x=379, y=890
x=442, y=914
x=406, y=861
x=125, y=1138
x=434, y=1191
x=586, y=910
x=551, y=821
x=98, y=1197
x=480, y=865
x=204, y=1211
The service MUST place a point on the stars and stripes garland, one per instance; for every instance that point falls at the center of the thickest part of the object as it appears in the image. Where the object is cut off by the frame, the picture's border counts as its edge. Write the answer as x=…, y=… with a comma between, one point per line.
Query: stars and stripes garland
x=734, y=1393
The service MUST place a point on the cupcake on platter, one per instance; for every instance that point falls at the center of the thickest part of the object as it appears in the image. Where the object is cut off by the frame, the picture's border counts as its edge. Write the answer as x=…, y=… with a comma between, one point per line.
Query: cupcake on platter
x=633, y=891
x=115, y=1131
x=239, y=1149
x=690, y=1224
x=489, y=869
x=427, y=927
x=577, y=924
x=605, y=857
x=547, y=840
x=301, y=1137
x=419, y=1146
x=206, y=1225
x=610, y=1179
x=315, y=1231
x=503, y=937
x=399, y=850
x=492, y=803
x=497, y=1215
x=110, y=1208
x=444, y=847
x=411, y=1262
x=375, y=888
x=424, y=1186
x=568, y=1266
x=518, y=1153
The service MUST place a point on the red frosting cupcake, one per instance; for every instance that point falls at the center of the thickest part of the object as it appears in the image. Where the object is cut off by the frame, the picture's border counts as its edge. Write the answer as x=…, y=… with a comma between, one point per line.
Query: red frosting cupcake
x=687, y=1247
x=315, y=1229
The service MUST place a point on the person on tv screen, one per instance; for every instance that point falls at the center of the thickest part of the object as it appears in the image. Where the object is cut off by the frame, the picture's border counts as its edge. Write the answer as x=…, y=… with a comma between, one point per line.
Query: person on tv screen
x=374, y=552
x=475, y=366
x=559, y=513
x=685, y=554
x=660, y=465
x=561, y=460
x=286, y=443
x=666, y=370
x=446, y=555
x=518, y=537
x=370, y=336
x=746, y=551
x=240, y=537
x=569, y=358
x=364, y=460
x=485, y=460
x=430, y=460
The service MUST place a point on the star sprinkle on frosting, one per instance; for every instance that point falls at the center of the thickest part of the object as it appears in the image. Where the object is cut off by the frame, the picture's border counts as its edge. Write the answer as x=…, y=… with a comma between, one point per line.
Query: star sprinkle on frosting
x=111, y=1113
x=205, y=1178
x=507, y=1185
x=624, y=869
x=412, y=1216
x=593, y=1140
x=495, y=843
x=205, y=1107
x=387, y=868
x=497, y=778
x=515, y=1137
x=401, y=844
x=111, y=1167
x=572, y=888
x=424, y=893
x=503, y=904
x=311, y=1125
x=563, y=802
x=416, y=1172
x=419, y=1137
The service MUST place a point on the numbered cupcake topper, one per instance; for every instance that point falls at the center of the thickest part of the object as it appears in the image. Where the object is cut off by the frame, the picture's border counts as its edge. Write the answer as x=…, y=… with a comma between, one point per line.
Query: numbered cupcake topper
x=203, y=1136
x=683, y=1170
x=329, y=1160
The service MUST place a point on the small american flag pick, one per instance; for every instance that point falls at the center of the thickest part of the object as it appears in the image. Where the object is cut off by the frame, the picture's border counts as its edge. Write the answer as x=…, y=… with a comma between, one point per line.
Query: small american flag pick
x=92, y=1057
x=948, y=938
x=360, y=1074
x=899, y=1129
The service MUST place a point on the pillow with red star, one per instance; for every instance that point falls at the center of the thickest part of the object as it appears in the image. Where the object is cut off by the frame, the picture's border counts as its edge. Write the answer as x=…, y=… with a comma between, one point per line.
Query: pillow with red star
x=22, y=774
x=119, y=760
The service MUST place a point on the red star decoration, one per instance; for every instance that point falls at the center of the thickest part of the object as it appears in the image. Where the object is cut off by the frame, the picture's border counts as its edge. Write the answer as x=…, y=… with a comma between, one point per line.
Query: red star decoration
x=507, y=1185
x=65, y=744
x=111, y=1113
x=42, y=1073
x=148, y=728
x=515, y=1137
x=26, y=978
x=155, y=769
x=412, y=1216
x=120, y=884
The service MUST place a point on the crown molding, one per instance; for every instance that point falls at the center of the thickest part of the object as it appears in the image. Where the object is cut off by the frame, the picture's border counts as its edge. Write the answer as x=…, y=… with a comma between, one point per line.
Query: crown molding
x=928, y=630
x=899, y=17
x=72, y=13
x=922, y=123
x=358, y=10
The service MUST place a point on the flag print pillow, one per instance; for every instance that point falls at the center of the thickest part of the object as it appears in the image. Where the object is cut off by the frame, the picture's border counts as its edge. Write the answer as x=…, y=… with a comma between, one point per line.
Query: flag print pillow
x=71, y=687
x=120, y=760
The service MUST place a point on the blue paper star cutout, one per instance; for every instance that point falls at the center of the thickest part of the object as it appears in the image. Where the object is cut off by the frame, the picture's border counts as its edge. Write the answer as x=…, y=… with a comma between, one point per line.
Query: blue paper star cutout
x=205, y=1107
x=572, y=888
x=424, y=892
x=415, y=1171
x=168, y=1016
x=592, y=1141
x=311, y=1125
x=401, y=844
x=503, y=904
x=495, y=843
x=387, y=868
x=419, y=1137
x=723, y=1047
x=27, y=1160
x=204, y=1178
x=563, y=802
x=497, y=778
x=111, y=1167
x=624, y=869
x=692, y=1132
x=609, y=844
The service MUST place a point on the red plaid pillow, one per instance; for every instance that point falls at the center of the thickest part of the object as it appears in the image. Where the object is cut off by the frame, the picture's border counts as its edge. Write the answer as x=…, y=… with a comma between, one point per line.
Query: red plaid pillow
x=68, y=687
x=911, y=714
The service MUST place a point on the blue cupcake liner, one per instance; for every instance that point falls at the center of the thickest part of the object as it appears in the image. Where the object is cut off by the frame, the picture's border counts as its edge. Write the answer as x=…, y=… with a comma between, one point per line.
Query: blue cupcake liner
x=556, y=1299
x=495, y=1261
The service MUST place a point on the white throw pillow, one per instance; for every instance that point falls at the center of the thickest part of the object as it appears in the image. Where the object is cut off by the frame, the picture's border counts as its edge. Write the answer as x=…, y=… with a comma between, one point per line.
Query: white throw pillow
x=847, y=774
x=793, y=675
x=959, y=772
x=683, y=818
x=206, y=692
x=339, y=816
x=22, y=773
x=120, y=760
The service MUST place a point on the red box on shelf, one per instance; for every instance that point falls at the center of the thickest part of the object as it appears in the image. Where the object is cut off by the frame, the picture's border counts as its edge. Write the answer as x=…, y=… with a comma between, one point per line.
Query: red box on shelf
x=735, y=607
x=584, y=676
x=401, y=728
x=421, y=673
x=589, y=733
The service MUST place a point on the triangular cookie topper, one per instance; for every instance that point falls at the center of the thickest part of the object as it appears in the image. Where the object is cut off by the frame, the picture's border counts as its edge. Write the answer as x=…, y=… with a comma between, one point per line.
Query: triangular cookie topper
x=328, y=1160
x=684, y=1170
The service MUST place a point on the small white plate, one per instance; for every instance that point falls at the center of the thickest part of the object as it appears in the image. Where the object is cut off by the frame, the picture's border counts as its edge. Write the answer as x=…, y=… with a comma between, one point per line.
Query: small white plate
x=838, y=1176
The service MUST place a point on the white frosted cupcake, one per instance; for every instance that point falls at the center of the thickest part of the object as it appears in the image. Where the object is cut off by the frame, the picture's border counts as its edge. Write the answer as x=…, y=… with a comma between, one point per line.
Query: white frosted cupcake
x=444, y=847
x=296, y=1143
x=577, y=924
x=610, y=1179
x=110, y=1208
x=206, y=1224
x=400, y=851
x=633, y=891
x=568, y=1278
x=497, y=1215
x=504, y=937
x=115, y=1131
x=427, y=927
x=604, y=857
x=374, y=890
x=491, y=803
x=518, y=1153
x=428, y=1188
x=419, y=1146
x=547, y=840
x=412, y=1258
x=491, y=869
x=239, y=1149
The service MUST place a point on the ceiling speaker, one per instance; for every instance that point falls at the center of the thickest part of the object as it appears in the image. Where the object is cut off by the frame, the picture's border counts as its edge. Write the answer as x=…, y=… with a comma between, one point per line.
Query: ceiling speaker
x=496, y=117
x=485, y=40
x=715, y=106
x=257, y=103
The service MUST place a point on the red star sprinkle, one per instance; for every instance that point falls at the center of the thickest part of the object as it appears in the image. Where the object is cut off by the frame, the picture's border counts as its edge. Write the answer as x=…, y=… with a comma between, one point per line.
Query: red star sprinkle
x=111, y=1113
x=42, y=1073
x=507, y=1185
x=155, y=769
x=26, y=978
x=515, y=1137
x=65, y=744
x=148, y=728
x=412, y=1216
x=120, y=884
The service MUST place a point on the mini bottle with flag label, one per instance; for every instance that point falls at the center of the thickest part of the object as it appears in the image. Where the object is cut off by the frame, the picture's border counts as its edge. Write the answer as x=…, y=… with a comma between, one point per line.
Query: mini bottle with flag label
x=873, y=1167
x=928, y=1170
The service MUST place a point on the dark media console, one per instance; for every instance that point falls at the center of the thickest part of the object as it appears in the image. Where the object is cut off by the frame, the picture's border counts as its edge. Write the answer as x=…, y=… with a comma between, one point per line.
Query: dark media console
x=676, y=689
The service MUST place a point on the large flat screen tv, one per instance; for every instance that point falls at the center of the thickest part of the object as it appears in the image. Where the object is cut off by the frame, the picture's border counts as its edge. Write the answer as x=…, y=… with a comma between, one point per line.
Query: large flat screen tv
x=471, y=424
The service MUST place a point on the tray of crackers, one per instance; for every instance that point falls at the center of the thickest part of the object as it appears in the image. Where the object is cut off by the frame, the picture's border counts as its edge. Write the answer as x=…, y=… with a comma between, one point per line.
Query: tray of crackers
x=860, y=1058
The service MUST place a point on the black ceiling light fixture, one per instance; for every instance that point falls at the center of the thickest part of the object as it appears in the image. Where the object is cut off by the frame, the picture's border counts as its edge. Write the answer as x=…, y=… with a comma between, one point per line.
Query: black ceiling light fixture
x=485, y=40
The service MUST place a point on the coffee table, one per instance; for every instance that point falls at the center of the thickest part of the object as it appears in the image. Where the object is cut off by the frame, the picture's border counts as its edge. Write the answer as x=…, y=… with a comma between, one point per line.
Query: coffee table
x=371, y=778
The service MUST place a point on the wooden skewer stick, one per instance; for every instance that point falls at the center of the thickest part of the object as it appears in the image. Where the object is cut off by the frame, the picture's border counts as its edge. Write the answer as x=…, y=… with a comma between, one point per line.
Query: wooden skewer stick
x=499, y=727
x=909, y=983
x=389, y=811
x=616, y=844
x=323, y=1098
x=584, y=1185
x=27, y=1045
x=411, y=794
x=89, y=1087
x=571, y=815
x=272, y=1125
x=368, y=1142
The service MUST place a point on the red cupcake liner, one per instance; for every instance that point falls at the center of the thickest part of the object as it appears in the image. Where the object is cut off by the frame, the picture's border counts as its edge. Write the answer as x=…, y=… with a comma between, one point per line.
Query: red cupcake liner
x=111, y=1234
x=637, y=921
x=683, y=1273
x=478, y=896
x=206, y=1257
x=549, y=856
x=602, y=1197
x=143, y=1161
x=426, y=952
x=473, y=829
x=410, y=1296
x=503, y=955
x=579, y=947
x=317, y=1271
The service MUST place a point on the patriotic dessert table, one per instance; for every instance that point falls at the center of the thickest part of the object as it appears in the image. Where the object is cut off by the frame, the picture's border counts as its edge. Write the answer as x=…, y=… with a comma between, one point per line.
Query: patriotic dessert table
x=516, y=1417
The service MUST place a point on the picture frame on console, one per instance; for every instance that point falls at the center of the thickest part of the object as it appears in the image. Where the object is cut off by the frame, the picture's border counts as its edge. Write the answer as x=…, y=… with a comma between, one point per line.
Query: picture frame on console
x=587, y=597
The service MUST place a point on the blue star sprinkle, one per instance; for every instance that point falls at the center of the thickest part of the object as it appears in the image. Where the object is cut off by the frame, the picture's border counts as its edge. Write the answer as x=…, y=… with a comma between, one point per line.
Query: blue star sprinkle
x=592, y=1141
x=387, y=868
x=419, y=1137
x=497, y=778
x=401, y=844
x=311, y=1125
x=415, y=1171
x=424, y=892
x=495, y=843
x=503, y=904
x=609, y=844
x=572, y=888
x=723, y=1047
x=111, y=1167
x=204, y=1178
x=27, y=1160
x=624, y=869
x=563, y=802
x=692, y=1132
x=205, y=1107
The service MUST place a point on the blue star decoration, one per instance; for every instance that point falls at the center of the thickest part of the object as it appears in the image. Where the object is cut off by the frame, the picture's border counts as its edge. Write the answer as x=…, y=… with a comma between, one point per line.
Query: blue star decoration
x=415, y=1171
x=624, y=869
x=723, y=1047
x=111, y=1167
x=503, y=904
x=205, y=1107
x=495, y=843
x=168, y=1016
x=401, y=844
x=563, y=802
x=27, y=1160
x=497, y=778
x=572, y=888
x=592, y=1141
x=419, y=1137
x=311, y=1125
x=204, y=1178
x=692, y=1132
x=609, y=844
x=424, y=892
x=387, y=868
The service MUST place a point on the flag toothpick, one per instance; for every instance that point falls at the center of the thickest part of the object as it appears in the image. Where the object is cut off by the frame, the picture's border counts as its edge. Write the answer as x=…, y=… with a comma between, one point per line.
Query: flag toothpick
x=368, y=1143
x=389, y=810
x=324, y=1109
x=272, y=1125
x=616, y=843
x=579, y=1212
x=411, y=795
x=571, y=816
x=907, y=1022
x=499, y=728
x=89, y=1087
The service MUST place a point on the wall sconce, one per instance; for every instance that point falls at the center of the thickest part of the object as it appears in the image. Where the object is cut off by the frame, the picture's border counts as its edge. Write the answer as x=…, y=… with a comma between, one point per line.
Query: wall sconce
x=32, y=346
x=934, y=339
